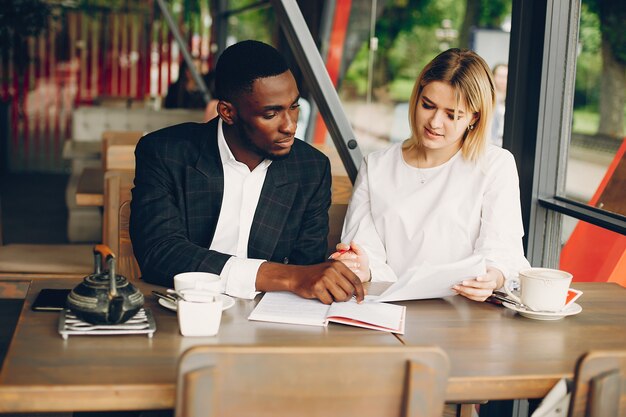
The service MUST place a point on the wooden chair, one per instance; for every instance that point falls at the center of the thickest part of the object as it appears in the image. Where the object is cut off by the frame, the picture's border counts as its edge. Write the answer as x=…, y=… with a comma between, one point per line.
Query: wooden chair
x=311, y=381
x=120, y=237
x=341, y=189
x=336, y=216
x=117, y=189
x=116, y=219
x=33, y=261
x=341, y=193
x=126, y=263
x=118, y=149
x=600, y=385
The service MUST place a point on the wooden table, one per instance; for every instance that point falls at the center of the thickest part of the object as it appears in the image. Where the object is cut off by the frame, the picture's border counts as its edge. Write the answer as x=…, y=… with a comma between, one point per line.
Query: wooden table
x=498, y=354
x=43, y=372
x=494, y=353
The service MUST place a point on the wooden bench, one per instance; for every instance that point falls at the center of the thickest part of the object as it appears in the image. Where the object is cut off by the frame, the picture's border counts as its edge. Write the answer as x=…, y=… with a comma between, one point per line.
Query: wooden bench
x=33, y=261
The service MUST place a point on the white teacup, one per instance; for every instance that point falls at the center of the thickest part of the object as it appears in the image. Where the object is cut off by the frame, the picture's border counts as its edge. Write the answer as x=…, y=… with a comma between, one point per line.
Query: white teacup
x=200, y=318
x=541, y=289
x=198, y=281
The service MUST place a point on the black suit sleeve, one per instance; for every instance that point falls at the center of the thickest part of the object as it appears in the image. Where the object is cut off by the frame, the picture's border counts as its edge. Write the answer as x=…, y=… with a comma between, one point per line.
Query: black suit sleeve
x=157, y=229
x=312, y=243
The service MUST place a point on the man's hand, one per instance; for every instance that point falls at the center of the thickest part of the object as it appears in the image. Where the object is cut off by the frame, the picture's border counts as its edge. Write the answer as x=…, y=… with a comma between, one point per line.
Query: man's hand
x=329, y=281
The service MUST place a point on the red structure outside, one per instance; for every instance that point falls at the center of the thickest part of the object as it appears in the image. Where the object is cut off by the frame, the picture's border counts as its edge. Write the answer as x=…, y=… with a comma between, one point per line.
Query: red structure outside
x=593, y=253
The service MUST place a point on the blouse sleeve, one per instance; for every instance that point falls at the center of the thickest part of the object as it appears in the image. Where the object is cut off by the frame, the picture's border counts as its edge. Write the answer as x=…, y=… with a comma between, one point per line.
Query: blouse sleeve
x=359, y=227
x=501, y=229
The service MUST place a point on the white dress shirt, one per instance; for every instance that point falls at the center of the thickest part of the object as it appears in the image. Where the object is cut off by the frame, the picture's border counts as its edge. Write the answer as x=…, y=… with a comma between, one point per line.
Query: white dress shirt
x=242, y=189
x=405, y=217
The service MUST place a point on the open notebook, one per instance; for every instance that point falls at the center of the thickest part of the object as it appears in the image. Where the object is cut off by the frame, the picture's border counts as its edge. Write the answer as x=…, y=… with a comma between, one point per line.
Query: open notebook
x=285, y=307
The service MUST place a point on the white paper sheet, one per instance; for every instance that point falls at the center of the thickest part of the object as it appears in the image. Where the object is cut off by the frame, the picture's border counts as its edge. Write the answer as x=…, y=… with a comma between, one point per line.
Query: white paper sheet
x=285, y=307
x=432, y=281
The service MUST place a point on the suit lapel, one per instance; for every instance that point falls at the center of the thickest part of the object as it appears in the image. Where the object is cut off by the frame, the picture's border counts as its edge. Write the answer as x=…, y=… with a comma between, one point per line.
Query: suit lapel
x=204, y=189
x=272, y=212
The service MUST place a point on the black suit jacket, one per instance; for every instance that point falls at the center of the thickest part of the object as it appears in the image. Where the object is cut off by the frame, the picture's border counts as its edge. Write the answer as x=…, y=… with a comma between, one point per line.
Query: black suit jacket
x=179, y=184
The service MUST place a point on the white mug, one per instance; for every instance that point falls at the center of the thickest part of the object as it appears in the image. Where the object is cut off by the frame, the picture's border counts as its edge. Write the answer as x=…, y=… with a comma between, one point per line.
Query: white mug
x=200, y=318
x=198, y=281
x=541, y=289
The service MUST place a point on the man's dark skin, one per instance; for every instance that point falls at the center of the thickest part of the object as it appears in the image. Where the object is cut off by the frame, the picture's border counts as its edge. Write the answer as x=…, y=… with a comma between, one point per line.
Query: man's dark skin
x=261, y=124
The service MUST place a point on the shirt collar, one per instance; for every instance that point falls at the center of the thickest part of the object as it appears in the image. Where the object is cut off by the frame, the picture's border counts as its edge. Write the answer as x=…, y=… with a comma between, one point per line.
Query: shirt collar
x=226, y=155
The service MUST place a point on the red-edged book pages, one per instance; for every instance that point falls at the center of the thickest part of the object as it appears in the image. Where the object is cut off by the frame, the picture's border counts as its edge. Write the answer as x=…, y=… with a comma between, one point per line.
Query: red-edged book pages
x=284, y=307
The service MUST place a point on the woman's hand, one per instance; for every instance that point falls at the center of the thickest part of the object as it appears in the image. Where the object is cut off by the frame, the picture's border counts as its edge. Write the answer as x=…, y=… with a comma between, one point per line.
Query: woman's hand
x=480, y=288
x=354, y=257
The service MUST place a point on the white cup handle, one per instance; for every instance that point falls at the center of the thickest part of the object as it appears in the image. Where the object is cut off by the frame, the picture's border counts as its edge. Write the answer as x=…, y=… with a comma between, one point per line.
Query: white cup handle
x=507, y=288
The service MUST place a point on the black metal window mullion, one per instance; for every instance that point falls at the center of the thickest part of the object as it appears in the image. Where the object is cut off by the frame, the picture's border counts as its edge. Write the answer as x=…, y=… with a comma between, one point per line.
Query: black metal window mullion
x=611, y=221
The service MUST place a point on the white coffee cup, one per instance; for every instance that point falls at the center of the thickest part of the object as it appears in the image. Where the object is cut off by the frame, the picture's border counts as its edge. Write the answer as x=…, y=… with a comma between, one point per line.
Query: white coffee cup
x=200, y=318
x=198, y=281
x=541, y=289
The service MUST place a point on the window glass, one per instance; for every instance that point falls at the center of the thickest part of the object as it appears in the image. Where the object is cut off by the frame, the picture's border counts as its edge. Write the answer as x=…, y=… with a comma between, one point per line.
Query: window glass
x=592, y=253
x=249, y=20
x=596, y=168
x=381, y=66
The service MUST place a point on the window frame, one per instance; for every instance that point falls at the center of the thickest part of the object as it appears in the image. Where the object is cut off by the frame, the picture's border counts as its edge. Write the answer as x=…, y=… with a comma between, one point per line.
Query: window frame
x=542, y=70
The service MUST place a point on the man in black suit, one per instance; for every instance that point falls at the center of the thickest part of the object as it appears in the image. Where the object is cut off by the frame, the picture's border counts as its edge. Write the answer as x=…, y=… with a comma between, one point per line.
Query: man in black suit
x=239, y=196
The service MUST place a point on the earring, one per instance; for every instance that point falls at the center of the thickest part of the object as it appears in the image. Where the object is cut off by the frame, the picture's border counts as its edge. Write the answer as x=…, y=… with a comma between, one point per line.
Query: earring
x=470, y=127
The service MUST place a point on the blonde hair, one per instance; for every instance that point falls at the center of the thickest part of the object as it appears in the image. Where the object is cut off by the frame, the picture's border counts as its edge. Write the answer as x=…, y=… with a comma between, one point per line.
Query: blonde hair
x=470, y=77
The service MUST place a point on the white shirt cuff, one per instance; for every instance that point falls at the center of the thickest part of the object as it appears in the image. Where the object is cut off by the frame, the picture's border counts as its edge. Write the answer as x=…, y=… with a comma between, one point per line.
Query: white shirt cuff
x=505, y=272
x=239, y=277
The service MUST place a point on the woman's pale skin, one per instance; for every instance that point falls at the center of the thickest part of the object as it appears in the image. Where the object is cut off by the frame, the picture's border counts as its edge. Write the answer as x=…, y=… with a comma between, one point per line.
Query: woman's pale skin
x=441, y=138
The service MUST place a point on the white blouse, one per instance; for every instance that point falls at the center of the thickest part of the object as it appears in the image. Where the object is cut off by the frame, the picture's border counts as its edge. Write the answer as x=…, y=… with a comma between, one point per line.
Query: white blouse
x=405, y=216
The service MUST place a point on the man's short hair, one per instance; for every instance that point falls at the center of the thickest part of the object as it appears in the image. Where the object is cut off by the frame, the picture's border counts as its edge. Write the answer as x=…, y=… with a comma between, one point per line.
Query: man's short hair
x=243, y=63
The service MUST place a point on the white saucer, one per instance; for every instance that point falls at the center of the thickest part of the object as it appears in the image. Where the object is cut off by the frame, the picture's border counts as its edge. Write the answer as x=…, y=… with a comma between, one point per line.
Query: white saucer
x=227, y=302
x=544, y=315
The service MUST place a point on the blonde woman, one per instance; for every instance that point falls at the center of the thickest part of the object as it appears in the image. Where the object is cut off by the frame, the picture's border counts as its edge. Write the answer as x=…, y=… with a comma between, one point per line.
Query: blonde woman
x=445, y=193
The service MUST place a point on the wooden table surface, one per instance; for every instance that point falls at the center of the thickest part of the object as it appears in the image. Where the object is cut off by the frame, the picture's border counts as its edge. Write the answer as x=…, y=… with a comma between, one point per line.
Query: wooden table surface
x=497, y=354
x=494, y=353
x=43, y=372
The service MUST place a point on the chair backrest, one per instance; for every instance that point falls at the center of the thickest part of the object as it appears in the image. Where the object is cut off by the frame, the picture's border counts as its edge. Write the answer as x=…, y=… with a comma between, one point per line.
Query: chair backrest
x=341, y=193
x=311, y=381
x=118, y=149
x=336, y=165
x=127, y=264
x=117, y=190
x=336, y=216
x=600, y=385
x=341, y=189
x=117, y=186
